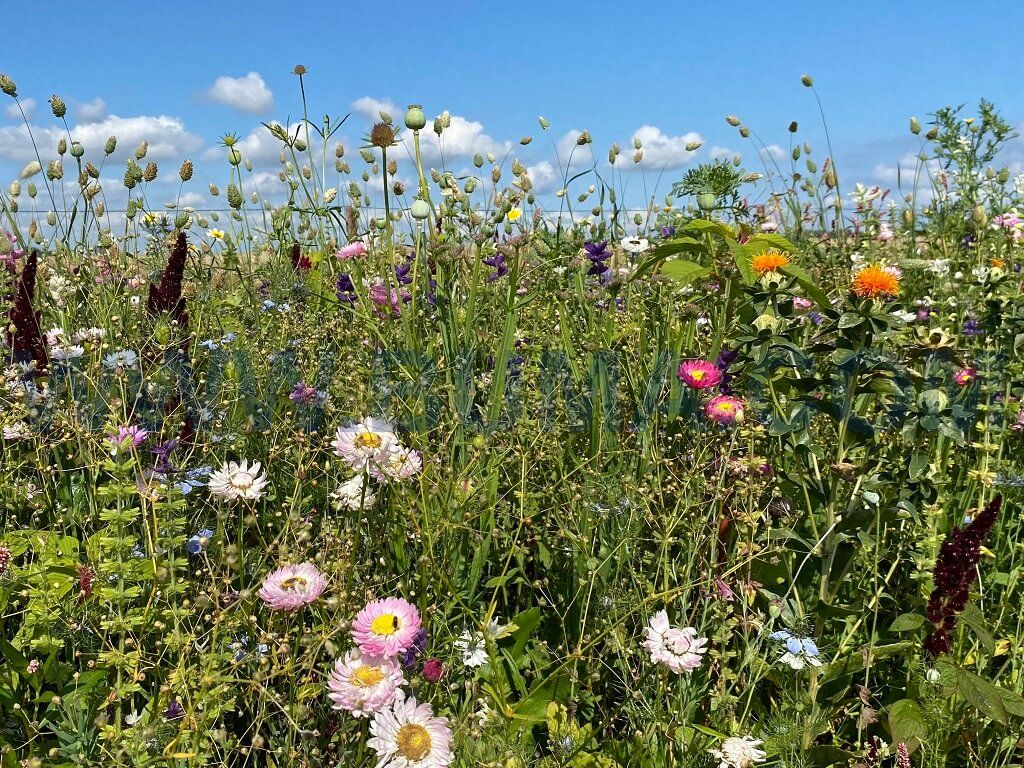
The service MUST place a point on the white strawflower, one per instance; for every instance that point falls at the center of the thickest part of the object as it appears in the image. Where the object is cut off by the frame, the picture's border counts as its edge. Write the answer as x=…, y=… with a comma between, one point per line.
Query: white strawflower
x=366, y=443
x=739, y=752
x=350, y=495
x=678, y=648
x=238, y=481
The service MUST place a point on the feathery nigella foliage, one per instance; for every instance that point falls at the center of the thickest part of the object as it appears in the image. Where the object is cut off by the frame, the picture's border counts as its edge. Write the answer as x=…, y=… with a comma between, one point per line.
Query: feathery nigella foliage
x=955, y=571
x=23, y=336
x=167, y=296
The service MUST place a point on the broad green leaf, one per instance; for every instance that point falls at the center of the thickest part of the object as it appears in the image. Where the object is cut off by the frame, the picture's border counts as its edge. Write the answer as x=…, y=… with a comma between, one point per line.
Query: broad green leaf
x=662, y=252
x=807, y=283
x=906, y=721
x=907, y=622
x=684, y=272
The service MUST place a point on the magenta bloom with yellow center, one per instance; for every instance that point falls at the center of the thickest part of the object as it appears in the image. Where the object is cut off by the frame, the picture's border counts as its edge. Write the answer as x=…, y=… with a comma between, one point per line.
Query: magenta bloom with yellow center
x=965, y=376
x=725, y=409
x=386, y=627
x=699, y=374
x=363, y=684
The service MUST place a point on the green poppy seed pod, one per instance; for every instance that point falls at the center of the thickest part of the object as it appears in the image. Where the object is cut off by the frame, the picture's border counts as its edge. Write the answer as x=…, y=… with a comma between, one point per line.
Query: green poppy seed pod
x=693, y=146
x=638, y=219
x=235, y=199
x=381, y=224
x=51, y=218
x=62, y=147
x=706, y=201
x=234, y=156
x=807, y=80
x=915, y=126
x=932, y=134
x=57, y=106
x=7, y=86
x=544, y=124
x=979, y=217
x=415, y=120
x=744, y=132
x=732, y=120
x=149, y=174
x=77, y=150
x=110, y=145
x=131, y=208
x=420, y=209
x=141, y=150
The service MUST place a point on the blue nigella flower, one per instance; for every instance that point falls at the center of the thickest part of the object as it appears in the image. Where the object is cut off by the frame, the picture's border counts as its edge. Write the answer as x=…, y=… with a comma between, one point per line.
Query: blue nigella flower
x=199, y=541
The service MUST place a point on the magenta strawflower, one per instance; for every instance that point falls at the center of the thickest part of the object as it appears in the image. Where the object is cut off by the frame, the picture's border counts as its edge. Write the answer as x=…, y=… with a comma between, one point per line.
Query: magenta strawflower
x=386, y=627
x=725, y=409
x=364, y=684
x=351, y=251
x=699, y=374
x=965, y=376
x=293, y=586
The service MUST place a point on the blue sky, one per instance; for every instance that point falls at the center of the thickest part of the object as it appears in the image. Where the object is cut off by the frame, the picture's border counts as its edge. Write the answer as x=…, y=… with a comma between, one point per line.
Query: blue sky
x=610, y=68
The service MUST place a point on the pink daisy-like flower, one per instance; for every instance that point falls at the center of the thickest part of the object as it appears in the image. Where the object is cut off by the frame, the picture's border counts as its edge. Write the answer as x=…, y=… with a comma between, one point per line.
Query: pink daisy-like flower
x=293, y=586
x=408, y=735
x=965, y=376
x=351, y=251
x=129, y=436
x=725, y=409
x=398, y=465
x=678, y=648
x=363, y=684
x=386, y=627
x=699, y=374
x=367, y=442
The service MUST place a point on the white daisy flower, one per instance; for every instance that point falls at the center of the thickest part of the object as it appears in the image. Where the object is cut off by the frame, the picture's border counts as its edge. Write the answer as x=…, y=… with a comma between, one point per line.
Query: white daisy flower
x=17, y=431
x=367, y=442
x=408, y=735
x=473, y=648
x=238, y=481
x=70, y=352
x=351, y=495
x=678, y=648
x=736, y=752
x=634, y=245
x=400, y=464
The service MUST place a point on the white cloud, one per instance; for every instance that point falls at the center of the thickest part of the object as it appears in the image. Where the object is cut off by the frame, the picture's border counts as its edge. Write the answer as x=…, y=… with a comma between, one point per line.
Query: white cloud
x=903, y=171
x=91, y=111
x=11, y=111
x=260, y=148
x=168, y=139
x=371, y=108
x=545, y=177
x=660, y=151
x=722, y=153
x=774, y=152
x=246, y=94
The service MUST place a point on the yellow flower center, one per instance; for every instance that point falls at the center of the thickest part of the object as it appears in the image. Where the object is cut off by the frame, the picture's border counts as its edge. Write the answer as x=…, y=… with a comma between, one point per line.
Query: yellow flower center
x=385, y=624
x=293, y=583
x=368, y=440
x=697, y=375
x=367, y=676
x=413, y=742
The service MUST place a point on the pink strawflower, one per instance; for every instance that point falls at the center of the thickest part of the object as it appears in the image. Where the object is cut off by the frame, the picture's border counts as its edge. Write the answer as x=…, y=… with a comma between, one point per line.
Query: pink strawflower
x=965, y=376
x=363, y=684
x=386, y=627
x=293, y=586
x=351, y=251
x=725, y=409
x=699, y=374
x=383, y=296
x=400, y=464
x=678, y=648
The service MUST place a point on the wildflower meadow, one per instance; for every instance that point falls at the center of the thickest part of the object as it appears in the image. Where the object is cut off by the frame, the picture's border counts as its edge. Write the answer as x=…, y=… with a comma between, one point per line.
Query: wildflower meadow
x=402, y=464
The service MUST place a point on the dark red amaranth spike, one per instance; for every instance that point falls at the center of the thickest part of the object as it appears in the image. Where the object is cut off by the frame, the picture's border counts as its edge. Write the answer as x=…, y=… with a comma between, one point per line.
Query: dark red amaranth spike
x=954, y=575
x=300, y=263
x=167, y=297
x=23, y=336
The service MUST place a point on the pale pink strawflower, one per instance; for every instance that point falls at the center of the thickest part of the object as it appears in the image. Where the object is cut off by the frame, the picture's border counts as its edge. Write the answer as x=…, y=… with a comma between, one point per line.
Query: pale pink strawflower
x=725, y=409
x=699, y=374
x=386, y=627
x=678, y=648
x=293, y=586
x=351, y=251
x=408, y=735
x=365, y=443
x=236, y=480
x=399, y=465
x=363, y=684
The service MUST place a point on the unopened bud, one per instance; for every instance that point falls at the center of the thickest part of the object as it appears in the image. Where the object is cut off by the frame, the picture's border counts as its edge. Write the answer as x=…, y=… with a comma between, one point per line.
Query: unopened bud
x=915, y=126
x=807, y=80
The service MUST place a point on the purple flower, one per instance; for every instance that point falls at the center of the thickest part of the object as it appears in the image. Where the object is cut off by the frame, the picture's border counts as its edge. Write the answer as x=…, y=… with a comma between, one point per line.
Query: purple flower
x=162, y=454
x=599, y=256
x=500, y=267
x=304, y=394
x=972, y=327
x=419, y=645
x=345, y=289
x=174, y=711
x=129, y=434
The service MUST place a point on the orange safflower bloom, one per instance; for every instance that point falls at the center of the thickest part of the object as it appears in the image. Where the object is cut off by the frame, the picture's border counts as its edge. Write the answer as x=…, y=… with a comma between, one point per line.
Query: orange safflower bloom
x=769, y=261
x=873, y=281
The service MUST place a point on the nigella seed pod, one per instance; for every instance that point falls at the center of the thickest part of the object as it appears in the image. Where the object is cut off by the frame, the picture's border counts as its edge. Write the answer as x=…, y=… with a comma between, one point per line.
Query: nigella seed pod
x=57, y=106
x=420, y=209
x=415, y=120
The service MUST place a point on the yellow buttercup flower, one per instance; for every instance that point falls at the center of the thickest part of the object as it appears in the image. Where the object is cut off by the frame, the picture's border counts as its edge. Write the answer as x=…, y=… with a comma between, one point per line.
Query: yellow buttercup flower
x=514, y=214
x=216, y=234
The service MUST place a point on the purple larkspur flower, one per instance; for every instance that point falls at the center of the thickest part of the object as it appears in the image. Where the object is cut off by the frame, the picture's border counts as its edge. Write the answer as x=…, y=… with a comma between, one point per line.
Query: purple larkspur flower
x=345, y=288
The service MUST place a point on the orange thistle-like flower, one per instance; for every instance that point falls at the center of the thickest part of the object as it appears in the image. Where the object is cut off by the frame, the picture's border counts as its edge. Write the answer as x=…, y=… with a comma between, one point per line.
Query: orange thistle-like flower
x=769, y=261
x=873, y=281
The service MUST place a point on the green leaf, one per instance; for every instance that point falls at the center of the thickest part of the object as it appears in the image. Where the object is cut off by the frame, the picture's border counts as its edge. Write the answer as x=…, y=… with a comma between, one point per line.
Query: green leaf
x=907, y=622
x=526, y=622
x=743, y=255
x=684, y=272
x=807, y=283
x=850, y=320
x=982, y=695
x=906, y=721
x=662, y=252
x=773, y=241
